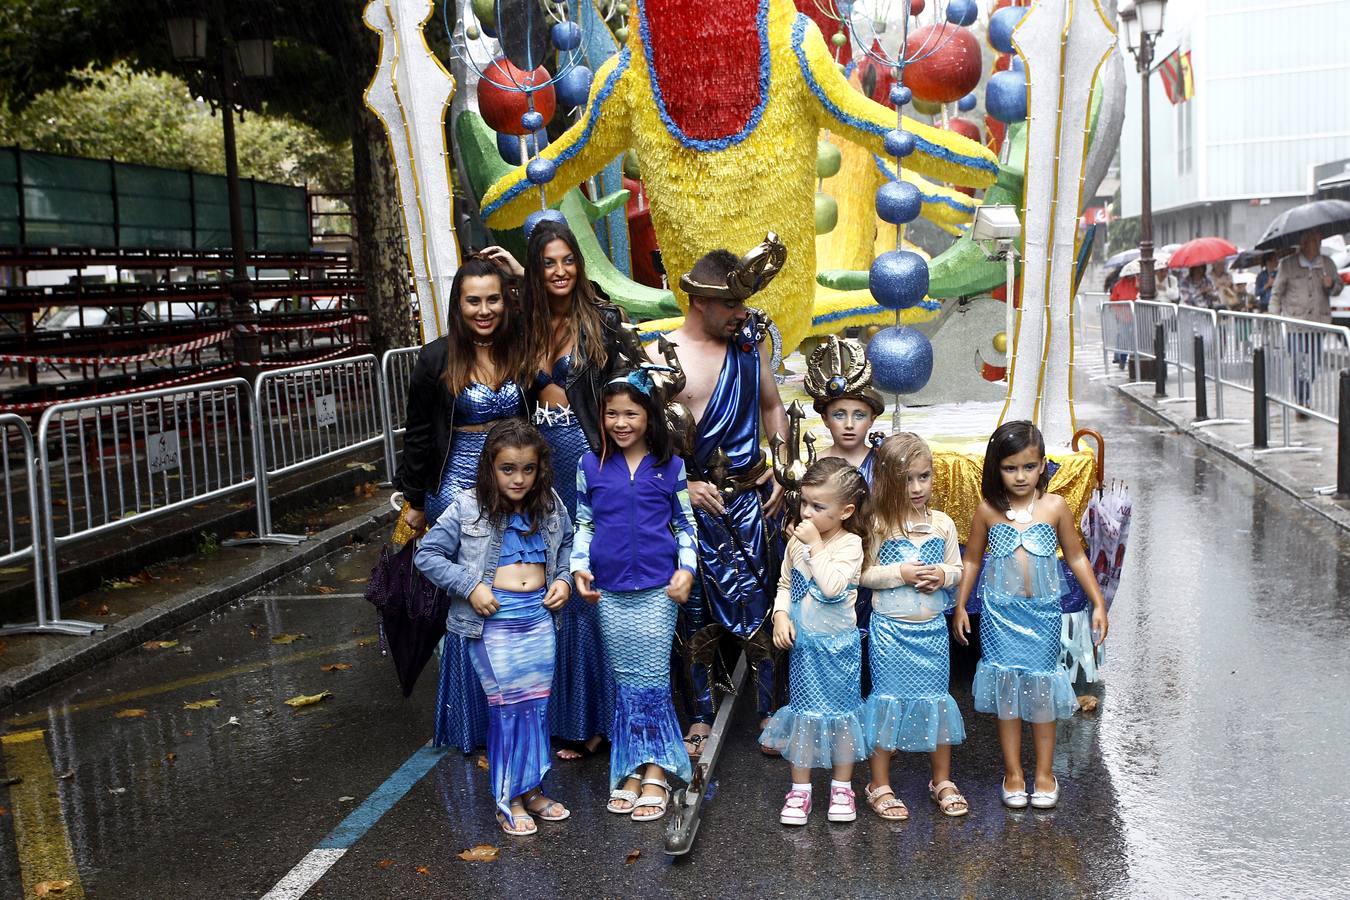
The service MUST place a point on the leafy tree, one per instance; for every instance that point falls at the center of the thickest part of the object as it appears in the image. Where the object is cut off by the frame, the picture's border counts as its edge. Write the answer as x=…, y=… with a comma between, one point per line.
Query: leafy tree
x=152, y=119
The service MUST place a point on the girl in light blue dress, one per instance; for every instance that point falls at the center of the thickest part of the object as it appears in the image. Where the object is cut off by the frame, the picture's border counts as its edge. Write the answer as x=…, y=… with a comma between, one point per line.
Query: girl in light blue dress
x=1020, y=677
x=813, y=617
x=916, y=564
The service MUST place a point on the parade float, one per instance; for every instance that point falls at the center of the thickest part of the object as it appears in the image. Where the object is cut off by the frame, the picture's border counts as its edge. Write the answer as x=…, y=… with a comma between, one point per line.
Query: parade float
x=687, y=126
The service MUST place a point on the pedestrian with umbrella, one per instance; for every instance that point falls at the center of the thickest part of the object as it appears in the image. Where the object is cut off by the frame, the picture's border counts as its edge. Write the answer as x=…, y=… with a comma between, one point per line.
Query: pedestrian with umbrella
x=1305, y=282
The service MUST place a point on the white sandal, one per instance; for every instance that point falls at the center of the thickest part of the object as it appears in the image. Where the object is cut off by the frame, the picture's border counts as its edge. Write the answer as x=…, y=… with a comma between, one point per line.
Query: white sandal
x=651, y=801
x=622, y=795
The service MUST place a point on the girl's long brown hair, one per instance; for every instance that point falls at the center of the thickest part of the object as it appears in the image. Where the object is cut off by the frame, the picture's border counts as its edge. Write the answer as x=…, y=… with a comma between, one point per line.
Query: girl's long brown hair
x=848, y=485
x=508, y=356
x=891, y=506
x=587, y=326
x=538, y=503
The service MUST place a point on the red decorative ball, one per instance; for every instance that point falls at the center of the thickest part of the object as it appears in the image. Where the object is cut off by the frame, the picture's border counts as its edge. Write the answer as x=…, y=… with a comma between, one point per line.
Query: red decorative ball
x=502, y=102
x=965, y=128
x=948, y=73
x=916, y=7
x=874, y=79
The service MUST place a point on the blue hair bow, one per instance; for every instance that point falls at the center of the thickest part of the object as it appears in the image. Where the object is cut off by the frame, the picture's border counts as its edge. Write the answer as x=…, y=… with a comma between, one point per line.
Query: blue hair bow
x=641, y=378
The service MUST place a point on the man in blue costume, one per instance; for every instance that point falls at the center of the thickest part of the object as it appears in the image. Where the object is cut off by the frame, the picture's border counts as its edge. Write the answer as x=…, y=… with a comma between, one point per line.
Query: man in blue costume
x=729, y=392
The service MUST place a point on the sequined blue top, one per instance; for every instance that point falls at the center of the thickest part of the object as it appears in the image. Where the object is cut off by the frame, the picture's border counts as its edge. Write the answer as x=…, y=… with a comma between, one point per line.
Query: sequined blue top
x=558, y=376
x=1022, y=563
x=906, y=601
x=518, y=545
x=479, y=404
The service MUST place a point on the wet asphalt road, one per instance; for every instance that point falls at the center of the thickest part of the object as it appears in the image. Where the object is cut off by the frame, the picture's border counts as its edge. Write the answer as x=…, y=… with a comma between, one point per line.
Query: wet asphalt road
x=1216, y=765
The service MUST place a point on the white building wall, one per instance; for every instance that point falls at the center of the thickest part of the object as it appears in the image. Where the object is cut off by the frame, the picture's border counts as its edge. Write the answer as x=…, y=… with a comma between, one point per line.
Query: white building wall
x=1270, y=102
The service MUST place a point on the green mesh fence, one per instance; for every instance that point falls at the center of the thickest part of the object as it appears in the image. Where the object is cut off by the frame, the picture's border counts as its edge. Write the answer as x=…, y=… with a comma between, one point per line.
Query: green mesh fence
x=48, y=200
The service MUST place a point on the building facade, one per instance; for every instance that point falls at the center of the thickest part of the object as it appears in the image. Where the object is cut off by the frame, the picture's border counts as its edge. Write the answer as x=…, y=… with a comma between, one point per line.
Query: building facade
x=1269, y=106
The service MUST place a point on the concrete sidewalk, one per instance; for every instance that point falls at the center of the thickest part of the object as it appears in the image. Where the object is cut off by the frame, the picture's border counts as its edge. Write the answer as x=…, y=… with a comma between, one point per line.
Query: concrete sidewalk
x=1300, y=458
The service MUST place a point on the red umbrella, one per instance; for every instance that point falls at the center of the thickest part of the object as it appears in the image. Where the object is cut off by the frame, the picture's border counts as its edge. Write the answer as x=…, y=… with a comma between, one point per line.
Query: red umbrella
x=1201, y=252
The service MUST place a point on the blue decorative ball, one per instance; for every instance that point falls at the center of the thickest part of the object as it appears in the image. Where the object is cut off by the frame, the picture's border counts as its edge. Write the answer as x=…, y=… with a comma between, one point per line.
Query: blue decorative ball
x=901, y=358
x=1017, y=64
x=1005, y=97
x=543, y=215
x=835, y=386
x=898, y=279
x=488, y=30
x=899, y=203
x=574, y=88
x=541, y=170
x=962, y=12
x=508, y=145
x=967, y=103
x=566, y=35
x=1001, y=25
x=900, y=95
x=532, y=120
x=899, y=143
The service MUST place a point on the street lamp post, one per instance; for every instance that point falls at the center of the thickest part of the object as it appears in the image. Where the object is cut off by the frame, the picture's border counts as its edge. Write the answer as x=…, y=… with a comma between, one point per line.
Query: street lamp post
x=246, y=58
x=1143, y=23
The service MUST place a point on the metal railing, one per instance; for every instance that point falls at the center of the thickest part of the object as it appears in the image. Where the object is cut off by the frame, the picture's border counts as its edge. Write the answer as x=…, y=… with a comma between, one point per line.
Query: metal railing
x=1148, y=315
x=311, y=413
x=107, y=463
x=396, y=369
x=1087, y=311
x=1119, y=343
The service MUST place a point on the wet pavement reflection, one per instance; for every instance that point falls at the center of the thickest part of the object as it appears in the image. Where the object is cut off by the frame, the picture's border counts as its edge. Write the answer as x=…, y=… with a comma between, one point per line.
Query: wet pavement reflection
x=1214, y=767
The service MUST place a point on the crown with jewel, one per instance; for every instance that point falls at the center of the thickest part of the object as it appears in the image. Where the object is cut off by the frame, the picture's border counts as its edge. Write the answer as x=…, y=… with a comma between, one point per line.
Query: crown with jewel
x=838, y=370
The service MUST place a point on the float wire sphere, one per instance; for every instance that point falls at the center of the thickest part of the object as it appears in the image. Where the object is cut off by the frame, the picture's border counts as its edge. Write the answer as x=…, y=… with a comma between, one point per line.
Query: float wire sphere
x=899, y=203
x=574, y=88
x=1001, y=25
x=543, y=215
x=1005, y=96
x=898, y=279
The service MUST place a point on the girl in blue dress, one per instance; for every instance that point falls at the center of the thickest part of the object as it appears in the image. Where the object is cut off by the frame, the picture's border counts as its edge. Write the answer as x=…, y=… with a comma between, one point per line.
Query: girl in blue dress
x=573, y=338
x=501, y=551
x=634, y=555
x=916, y=562
x=1020, y=677
x=821, y=727
x=461, y=384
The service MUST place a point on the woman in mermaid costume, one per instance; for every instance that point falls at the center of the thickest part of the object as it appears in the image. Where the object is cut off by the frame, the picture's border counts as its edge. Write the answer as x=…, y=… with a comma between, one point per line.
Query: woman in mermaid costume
x=573, y=340
x=461, y=384
x=1020, y=677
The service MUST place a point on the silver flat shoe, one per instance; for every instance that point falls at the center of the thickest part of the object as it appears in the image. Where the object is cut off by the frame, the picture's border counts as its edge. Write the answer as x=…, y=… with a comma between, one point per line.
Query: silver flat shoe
x=1046, y=799
x=1012, y=799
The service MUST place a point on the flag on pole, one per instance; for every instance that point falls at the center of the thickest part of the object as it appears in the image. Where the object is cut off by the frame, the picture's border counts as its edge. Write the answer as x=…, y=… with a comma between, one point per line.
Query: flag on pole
x=1177, y=77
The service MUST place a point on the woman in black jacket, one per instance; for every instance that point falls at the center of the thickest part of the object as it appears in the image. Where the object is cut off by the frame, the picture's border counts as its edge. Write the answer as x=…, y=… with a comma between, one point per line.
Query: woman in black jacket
x=462, y=384
x=573, y=337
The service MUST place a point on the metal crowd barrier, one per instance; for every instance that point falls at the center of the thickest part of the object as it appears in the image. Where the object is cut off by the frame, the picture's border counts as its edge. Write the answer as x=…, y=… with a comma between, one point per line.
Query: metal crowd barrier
x=1118, y=335
x=396, y=368
x=1148, y=315
x=22, y=533
x=1087, y=310
x=107, y=463
x=311, y=413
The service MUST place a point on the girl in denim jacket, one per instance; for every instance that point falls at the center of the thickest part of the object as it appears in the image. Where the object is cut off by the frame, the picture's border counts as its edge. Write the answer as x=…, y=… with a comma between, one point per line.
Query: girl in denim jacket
x=501, y=550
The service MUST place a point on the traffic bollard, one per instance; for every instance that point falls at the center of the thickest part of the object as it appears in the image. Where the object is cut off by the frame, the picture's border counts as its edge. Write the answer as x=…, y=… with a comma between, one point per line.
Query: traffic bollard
x=1343, y=438
x=1159, y=362
x=1201, y=395
x=1260, y=412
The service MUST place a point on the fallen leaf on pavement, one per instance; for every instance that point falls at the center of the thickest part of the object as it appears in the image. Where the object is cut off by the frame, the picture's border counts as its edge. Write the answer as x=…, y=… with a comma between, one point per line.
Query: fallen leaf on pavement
x=326, y=589
x=300, y=700
x=170, y=757
x=242, y=535
x=346, y=799
x=363, y=466
x=66, y=776
x=423, y=870
x=159, y=645
x=129, y=713
x=285, y=638
x=117, y=790
x=482, y=763
x=384, y=864
x=102, y=610
x=358, y=580
x=336, y=667
x=632, y=856
x=232, y=720
x=202, y=704
x=49, y=888
x=298, y=780
x=13, y=570
x=1087, y=704
x=481, y=853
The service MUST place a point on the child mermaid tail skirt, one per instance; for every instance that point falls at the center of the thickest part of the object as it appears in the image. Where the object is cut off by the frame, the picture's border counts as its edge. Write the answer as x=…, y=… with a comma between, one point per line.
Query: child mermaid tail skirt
x=583, y=691
x=1020, y=675
x=822, y=724
x=638, y=627
x=910, y=708
x=514, y=662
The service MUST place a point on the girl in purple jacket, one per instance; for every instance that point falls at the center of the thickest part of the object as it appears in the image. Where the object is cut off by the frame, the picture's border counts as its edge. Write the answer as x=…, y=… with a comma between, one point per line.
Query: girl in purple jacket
x=634, y=555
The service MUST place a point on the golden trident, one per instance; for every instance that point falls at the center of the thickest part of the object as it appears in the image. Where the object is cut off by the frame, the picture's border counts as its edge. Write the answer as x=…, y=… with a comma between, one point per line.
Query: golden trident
x=789, y=467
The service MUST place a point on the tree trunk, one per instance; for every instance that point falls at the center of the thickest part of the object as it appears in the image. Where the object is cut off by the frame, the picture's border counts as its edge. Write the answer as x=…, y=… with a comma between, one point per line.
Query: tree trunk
x=382, y=251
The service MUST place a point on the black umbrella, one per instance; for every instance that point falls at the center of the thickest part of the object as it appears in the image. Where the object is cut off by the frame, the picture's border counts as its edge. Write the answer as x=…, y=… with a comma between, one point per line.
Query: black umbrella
x=1327, y=216
x=1121, y=258
x=412, y=612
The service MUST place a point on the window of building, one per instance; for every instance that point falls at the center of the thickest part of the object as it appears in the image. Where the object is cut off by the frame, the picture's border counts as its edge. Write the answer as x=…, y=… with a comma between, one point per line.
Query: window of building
x=1185, y=139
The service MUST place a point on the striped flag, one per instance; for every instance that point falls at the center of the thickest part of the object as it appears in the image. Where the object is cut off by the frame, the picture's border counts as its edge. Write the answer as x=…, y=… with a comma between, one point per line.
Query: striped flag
x=1177, y=78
